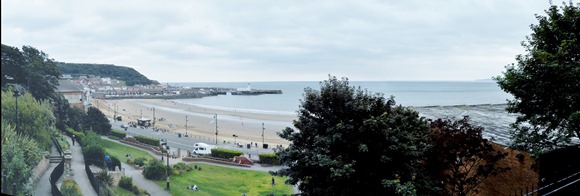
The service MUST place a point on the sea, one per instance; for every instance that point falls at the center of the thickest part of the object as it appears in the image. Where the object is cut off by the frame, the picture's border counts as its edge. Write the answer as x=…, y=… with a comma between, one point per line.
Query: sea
x=483, y=101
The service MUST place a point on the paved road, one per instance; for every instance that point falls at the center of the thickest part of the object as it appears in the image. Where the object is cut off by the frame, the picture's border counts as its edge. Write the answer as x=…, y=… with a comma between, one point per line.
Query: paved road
x=186, y=143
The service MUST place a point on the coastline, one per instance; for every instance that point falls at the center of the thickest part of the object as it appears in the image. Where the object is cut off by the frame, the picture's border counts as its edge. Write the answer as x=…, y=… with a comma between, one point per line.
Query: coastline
x=247, y=124
x=200, y=120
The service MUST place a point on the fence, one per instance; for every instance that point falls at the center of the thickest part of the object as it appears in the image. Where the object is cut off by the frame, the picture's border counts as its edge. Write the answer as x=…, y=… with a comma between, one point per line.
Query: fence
x=58, y=171
x=549, y=188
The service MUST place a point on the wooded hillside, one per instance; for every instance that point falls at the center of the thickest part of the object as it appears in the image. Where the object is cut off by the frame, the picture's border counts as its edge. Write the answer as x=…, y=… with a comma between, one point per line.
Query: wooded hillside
x=127, y=74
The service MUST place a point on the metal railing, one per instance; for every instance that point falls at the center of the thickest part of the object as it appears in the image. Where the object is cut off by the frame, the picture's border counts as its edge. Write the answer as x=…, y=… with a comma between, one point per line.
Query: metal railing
x=58, y=171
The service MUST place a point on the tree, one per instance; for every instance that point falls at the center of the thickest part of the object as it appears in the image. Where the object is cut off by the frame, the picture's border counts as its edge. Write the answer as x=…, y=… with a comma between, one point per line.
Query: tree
x=545, y=82
x=34, y=117
x=78, y=119
x=98, y=121
x=30, y=68
x=352, y=142
x=460, y=157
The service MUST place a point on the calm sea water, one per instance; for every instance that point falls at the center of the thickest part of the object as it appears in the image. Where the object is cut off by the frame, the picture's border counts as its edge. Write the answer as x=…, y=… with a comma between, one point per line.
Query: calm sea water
x=407, y=93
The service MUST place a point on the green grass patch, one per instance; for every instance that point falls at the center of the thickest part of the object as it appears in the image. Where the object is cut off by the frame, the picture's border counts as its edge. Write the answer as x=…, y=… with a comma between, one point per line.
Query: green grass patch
x=121, y=191
x=216, y=180
x=121, y=150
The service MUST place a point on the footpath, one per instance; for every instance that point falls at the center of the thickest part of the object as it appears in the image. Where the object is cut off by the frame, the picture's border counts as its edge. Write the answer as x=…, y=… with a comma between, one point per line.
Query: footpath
x=76, y=171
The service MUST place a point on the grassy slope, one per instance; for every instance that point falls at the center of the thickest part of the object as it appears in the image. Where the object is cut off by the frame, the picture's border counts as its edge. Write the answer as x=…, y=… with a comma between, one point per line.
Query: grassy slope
x=119, y=151
x=216, y=180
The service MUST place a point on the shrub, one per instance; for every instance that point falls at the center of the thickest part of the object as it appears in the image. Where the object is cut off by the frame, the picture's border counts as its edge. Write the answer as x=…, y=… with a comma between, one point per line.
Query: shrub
x=92, y=139
x=154, y=170
x=225, y=153
x=70, y=188
x=104, y=178
x=269, y=159
x=126, y=182
x=140, y=161
x=118, y=134
x=147, y=140
x=94, y=155
x=116, y=162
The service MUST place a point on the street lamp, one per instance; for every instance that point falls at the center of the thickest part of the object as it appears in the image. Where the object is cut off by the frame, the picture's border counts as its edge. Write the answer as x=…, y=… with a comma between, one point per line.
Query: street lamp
x=16, y=95
x=186, y=126
x=166, y=169
x=235, y=137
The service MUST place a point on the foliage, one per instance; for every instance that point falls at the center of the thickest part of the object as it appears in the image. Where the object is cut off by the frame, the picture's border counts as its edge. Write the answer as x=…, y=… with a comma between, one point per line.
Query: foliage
x=78, y=135
x=31, y=69
x=116, y=162
x=78, y=119
x=34, y=117
x=225, y=153
x=126, y=182
x=104, y=178
x=20, y=155
x=147, y=140
x=94, y=154
x=127, y=74
x=269, y=159
x=352, y=142
x=98, y=121
x=61, y=109
x=118, y=134
x=140, y=161
x=155, y=170
x=460, y=157
x=92, y=139
x=180, y=168
x=545, y=82
x=70, y=188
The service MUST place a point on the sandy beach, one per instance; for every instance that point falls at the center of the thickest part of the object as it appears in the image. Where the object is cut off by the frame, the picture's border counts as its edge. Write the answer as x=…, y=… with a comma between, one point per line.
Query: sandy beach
x=201, y=121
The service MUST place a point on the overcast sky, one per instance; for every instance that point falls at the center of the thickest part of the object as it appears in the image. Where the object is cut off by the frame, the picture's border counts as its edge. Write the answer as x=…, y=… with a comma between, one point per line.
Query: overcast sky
x=223, y=41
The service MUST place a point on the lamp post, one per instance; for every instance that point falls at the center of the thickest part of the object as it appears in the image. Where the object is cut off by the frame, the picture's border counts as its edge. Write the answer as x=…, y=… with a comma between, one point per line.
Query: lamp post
x=16, y=95
x=166, y=169
x=115, y=115
x=216, y=130
x=186, y=126
x=263, y=133
x=235, y=137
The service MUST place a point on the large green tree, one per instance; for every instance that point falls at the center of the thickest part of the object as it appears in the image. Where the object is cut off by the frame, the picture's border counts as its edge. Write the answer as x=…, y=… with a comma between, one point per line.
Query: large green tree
x=34, y=118
x=352, y=142
x=545, y=82
x=98, y=121
x=30, y=68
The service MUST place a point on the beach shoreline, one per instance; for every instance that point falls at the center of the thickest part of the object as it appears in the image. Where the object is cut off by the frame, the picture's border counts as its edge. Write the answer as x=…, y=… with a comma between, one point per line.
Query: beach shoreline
x=201, y=120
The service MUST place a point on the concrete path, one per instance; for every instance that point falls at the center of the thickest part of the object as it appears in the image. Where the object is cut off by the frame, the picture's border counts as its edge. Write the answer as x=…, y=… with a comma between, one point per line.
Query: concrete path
x=140, y=181
x=79, y=173
x=42, y=187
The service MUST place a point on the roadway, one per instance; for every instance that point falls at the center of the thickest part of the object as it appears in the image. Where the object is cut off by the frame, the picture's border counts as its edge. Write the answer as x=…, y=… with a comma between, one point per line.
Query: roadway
x=186, y=143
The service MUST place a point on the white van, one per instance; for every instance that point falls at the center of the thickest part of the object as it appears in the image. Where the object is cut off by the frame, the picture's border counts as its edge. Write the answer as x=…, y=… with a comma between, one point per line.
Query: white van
x=202, y=148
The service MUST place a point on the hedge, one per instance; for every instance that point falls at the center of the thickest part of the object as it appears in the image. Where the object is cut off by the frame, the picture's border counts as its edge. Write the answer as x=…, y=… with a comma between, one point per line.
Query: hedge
x=271, y=159
x=225, y=153
x=147, y=140
x=118, y=134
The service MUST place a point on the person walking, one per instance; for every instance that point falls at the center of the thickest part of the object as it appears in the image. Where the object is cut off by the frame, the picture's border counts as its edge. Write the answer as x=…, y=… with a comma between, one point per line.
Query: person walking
x=73, y=139
x=273, y=181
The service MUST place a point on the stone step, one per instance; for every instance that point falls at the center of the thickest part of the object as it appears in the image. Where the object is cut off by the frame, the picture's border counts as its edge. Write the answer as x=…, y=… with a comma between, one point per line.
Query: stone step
x=55, y=159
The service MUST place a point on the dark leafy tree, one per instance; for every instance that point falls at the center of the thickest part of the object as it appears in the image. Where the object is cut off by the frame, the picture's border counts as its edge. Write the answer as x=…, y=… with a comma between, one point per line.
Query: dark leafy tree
x=545, y=82
x=78, y=119
x=352, y=142
x=127, y=74
x=98, y=121
x=12, y=65
x=460, y=158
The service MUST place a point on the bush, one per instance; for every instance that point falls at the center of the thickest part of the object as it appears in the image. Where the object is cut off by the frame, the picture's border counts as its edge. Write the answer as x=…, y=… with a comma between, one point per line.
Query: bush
x=104, y=178
x=225, y=153
x=70, y=188
x=269, y=159
x=155, y=170
x=94, y=155
x=140, y=161
x=147, y=140
x=126, y=182
x=118, y=134
x=92, y=139
x=116, y=162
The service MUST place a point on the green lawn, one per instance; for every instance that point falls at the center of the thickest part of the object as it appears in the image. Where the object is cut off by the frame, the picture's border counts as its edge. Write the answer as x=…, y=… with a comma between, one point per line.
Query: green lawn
x=120, y=150
x=118, y=191
x=216, y=180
